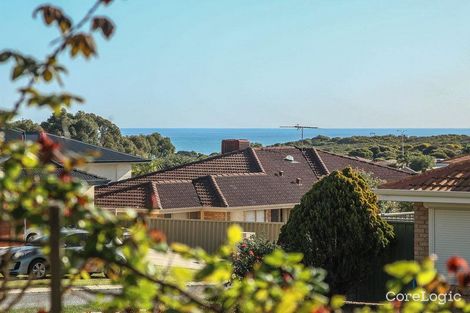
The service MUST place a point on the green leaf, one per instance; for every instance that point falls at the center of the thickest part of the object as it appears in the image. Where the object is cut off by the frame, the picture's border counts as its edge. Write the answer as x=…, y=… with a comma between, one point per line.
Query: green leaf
x=425, y=277
x=179, y=247
x=295, y=257
x=234, y=234
x=337, y=301
x=402, y=268
x=275, y=259
x=29, y=159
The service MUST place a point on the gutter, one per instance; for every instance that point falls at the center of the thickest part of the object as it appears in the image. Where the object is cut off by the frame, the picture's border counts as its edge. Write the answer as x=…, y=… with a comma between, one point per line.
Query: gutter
x=457, y=197
x=212, y=209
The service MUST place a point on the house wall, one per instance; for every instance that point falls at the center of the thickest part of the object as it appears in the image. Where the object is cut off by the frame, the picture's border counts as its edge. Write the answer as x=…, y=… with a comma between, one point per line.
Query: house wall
x=421, y=232
x=214, y=216
x=237, y=216
x=111, y=171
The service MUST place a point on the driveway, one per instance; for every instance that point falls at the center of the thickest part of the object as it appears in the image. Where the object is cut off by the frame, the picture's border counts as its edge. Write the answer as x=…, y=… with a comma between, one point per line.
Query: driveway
x=172, y=259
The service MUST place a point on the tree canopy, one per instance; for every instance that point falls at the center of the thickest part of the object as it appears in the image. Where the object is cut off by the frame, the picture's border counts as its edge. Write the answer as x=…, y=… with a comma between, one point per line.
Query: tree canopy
x=94, y=129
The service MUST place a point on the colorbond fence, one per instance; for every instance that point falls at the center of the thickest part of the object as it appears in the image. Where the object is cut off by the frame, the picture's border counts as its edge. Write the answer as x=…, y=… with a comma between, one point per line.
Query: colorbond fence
x=210, y=234
x=402, y=248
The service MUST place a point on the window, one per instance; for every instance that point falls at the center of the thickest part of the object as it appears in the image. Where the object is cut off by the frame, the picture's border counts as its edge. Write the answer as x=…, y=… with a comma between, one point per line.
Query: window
x=276, y=215
x=75, y=240
x=260, y=217
x=194, y=215
x=166, y=215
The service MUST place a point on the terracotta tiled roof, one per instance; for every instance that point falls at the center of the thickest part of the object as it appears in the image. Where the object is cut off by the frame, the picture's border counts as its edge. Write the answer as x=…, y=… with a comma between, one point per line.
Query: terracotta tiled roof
x=460, y=158
x=250, y=177
x=454, y=177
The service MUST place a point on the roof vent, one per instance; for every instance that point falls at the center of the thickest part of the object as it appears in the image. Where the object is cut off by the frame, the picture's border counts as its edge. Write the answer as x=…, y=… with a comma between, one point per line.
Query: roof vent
x=290, y=158
x=281, y=173
x=298, y=181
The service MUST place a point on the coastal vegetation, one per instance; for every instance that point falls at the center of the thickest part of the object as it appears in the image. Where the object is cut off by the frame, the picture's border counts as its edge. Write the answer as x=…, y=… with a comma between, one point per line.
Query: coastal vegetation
x=419, y=153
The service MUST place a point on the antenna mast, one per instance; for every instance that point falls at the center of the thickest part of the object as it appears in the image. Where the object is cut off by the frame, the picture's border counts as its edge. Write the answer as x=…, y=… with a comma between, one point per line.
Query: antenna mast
x=300, y=127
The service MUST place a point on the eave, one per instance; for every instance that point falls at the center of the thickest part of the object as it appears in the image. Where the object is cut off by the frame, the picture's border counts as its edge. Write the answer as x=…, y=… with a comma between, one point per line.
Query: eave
x=455, y=197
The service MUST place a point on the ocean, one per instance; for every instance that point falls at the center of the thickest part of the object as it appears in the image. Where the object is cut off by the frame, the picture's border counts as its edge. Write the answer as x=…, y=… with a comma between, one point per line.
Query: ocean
x=207, y=140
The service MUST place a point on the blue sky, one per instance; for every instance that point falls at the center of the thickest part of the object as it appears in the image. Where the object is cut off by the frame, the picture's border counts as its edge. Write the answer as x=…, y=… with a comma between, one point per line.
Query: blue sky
x=263, y=63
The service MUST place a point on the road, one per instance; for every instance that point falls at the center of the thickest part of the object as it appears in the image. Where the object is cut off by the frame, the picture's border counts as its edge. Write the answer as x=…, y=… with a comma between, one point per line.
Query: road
x=39, y=298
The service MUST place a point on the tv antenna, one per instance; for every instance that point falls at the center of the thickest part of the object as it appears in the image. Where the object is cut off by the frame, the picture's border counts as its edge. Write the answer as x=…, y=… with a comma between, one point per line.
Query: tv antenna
x=300, y=127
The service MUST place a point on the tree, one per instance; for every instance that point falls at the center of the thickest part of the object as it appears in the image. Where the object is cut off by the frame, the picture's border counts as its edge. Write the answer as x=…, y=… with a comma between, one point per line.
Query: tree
x=337, y=227
x=26, y=125
x=96, y=130
x=362, y=153
x=421, y=163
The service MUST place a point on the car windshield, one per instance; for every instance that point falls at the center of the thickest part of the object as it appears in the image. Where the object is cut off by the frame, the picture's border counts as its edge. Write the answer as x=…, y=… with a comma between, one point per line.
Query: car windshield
x=69, y=240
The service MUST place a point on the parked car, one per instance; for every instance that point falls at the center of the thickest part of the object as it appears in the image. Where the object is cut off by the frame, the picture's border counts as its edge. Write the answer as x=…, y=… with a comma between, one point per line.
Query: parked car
x=29, y=259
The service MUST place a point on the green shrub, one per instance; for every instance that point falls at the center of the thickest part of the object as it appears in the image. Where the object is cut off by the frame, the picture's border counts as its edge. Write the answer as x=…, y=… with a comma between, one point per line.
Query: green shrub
x=250, y=252
x=362, y=153
x=421, y=163
x=337, y=227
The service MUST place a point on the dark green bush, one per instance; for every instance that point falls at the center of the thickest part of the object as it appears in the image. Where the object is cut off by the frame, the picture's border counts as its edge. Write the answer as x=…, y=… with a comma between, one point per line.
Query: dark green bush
x=337, y=227
x=362, y=153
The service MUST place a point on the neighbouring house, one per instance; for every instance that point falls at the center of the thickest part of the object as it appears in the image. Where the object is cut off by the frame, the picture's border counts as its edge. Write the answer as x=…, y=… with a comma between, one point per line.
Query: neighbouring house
x=106, y=163
x=107, y=166
x=441, y=199
x=241, y=184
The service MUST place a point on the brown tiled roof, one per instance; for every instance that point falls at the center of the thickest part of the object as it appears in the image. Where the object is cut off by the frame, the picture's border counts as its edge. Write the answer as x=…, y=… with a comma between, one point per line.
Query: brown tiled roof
x=454, y=177
x=460, y=158
x=250, y=177
x=383, y=172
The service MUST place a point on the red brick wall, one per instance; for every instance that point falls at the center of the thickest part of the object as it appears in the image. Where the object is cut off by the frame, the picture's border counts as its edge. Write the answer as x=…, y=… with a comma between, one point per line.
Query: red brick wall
x=421, y=240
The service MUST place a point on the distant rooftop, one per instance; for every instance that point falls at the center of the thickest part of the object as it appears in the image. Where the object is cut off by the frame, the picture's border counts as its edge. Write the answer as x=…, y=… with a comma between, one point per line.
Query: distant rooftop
x=71, y=146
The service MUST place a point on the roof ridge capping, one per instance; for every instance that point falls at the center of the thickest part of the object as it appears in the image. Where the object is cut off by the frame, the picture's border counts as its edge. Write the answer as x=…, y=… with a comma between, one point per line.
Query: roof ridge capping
x=316, y=160
x=218, y=191
x=257, y=161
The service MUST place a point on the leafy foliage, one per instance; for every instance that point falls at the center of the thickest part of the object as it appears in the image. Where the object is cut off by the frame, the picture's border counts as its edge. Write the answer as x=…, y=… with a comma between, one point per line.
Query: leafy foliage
x=337, y=227
x=250, y=253
x=442, y=146
x=30, y=189
x=422, y=163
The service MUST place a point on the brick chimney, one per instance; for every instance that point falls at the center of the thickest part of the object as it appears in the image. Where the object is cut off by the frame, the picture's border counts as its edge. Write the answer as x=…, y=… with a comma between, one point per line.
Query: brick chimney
x=229, y=145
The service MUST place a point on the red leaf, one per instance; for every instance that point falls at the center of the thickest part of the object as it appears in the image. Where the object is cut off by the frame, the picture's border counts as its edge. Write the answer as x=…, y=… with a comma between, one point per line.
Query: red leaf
x=456, y=264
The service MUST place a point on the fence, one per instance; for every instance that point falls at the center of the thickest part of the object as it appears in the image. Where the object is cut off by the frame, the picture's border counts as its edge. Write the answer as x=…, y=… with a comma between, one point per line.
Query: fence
x=210, y=234
x=401, y=248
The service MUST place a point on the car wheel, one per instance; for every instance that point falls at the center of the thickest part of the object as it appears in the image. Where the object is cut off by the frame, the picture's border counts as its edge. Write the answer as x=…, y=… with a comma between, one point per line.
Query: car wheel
x=38, y=269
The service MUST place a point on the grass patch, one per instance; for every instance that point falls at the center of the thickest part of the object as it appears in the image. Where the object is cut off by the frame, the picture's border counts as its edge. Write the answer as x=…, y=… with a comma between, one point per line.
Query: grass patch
x=19, y=283
x=68, y=309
